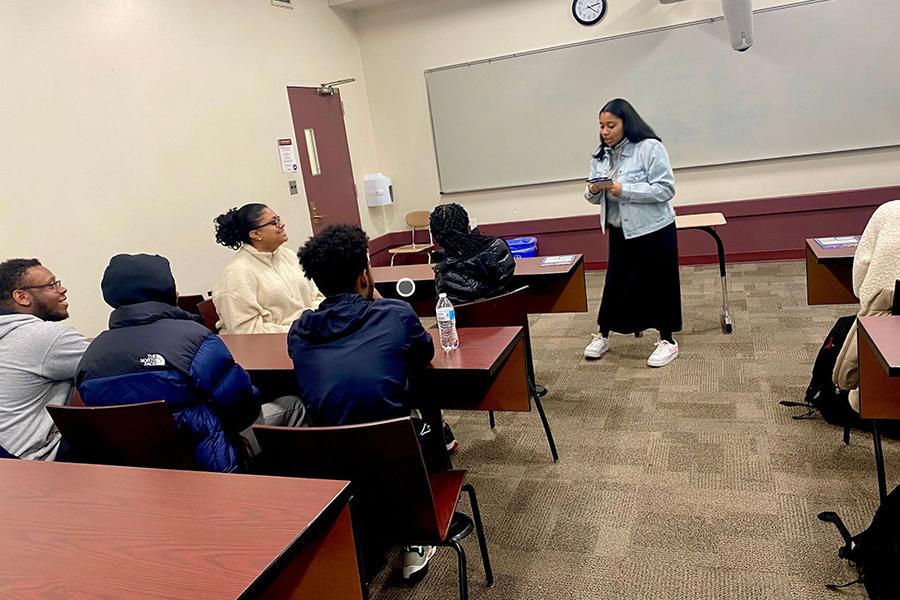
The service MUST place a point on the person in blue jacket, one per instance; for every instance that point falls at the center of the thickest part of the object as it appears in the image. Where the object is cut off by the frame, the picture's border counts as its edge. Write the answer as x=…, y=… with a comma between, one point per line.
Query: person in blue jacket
x=154, y=350
x=631, y=180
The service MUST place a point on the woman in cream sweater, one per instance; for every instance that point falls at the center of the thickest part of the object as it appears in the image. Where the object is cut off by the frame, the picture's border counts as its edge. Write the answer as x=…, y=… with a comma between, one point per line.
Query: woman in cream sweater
x=262, y=289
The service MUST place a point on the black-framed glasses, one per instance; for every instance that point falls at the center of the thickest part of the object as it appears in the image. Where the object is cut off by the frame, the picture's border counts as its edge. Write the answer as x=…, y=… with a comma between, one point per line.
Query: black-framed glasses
x=276, y=221
x=53, y=285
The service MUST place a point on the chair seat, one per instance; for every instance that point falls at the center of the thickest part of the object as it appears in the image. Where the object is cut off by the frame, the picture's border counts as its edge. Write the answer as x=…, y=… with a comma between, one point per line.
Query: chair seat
x=446, y=487
x=411, y=248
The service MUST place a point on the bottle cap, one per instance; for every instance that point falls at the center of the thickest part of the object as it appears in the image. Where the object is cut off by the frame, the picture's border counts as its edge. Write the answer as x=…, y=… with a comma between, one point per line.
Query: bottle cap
x=442, y=295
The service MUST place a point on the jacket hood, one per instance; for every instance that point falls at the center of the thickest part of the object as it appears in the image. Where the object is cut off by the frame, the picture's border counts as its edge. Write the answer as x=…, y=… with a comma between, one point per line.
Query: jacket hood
x=336, y=317
x=11, y=321
x=135, y=278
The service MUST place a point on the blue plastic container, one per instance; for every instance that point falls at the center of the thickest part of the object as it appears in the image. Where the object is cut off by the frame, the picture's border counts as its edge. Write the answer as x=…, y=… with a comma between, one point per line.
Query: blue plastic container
x=523, y=247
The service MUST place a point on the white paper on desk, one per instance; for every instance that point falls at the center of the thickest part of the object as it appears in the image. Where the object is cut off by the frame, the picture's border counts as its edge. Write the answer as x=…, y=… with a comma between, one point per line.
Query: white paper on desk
x=555, y=261
x=844, y=241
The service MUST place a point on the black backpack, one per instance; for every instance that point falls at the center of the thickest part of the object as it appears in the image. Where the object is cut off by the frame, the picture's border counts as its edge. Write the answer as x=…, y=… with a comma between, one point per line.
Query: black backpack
x=821, y=394
x=876, y=551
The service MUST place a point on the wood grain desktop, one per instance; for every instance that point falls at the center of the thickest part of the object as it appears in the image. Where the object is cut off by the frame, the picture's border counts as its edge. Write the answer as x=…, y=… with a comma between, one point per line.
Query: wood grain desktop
x=552, y=288
x=90, y=531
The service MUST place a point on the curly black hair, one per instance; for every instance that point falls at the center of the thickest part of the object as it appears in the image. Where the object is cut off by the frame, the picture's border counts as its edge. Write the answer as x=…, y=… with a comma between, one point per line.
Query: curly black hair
x=233, y=227
x=12, y=272
x=335, y=257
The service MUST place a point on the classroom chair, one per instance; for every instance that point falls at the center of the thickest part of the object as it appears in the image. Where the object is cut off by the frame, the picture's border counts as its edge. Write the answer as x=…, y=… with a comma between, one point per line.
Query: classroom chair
x=189, y=302
x=415, y=219
x=396, y=501
x=207, y=310
x=507, y=310
x=129, y=435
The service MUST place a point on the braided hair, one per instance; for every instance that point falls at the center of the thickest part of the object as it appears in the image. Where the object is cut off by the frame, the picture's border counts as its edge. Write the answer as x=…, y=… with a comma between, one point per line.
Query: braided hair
x=449, y=225
x=233, y=227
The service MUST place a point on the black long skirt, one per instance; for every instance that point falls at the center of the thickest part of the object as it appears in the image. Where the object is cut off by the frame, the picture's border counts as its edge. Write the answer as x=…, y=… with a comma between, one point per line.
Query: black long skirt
x=642, y=289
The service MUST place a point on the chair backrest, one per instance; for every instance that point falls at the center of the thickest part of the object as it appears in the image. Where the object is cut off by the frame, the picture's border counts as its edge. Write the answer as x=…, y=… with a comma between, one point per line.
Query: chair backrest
x=505, y=310
x=895, y=305
x=131, y=435
x=419, y=219
x=189, y=302
x=207, y=310
x=383, y=462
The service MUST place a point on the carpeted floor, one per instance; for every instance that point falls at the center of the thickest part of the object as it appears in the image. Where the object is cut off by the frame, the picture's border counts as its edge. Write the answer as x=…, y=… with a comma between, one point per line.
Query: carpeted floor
x=682, y=482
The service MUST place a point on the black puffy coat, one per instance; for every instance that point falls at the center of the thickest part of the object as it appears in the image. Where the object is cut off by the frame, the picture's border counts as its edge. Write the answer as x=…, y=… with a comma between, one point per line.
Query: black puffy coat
x=484, y=274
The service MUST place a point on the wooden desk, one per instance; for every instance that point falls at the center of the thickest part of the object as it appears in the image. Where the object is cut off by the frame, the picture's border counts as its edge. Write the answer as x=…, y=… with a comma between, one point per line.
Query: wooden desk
x=878, y=343
x=90, y=531
x=829, y=274
x=551, y=289
x=707, y=222
x=486, y=372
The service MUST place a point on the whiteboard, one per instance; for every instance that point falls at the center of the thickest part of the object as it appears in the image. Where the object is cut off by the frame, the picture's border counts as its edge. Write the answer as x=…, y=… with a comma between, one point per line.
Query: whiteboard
x=821, y=76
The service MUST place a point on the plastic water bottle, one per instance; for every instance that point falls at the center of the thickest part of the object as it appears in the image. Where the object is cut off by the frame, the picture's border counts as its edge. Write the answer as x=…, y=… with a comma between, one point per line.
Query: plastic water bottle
x=446, y=320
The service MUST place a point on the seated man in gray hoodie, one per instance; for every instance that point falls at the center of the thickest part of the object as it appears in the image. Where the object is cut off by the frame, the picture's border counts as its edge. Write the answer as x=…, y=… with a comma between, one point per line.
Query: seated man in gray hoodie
x=38, y=358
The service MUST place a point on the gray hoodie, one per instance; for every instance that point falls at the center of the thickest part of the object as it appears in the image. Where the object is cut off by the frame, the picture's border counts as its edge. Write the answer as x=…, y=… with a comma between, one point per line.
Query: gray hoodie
x=38, y=360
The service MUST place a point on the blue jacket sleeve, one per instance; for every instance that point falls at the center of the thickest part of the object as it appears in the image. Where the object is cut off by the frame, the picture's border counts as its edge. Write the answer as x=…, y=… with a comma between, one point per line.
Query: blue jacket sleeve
x=421, y=348
x=660, y=184
x=225, y=384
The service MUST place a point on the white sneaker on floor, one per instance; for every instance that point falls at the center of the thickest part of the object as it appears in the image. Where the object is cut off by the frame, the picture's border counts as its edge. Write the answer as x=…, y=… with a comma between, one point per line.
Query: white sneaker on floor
x=665, y=353
x=597, y=347
x=415, y=561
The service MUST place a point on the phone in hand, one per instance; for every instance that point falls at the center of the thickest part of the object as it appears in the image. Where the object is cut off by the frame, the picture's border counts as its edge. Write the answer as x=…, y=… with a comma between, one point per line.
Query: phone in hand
x=599, y=180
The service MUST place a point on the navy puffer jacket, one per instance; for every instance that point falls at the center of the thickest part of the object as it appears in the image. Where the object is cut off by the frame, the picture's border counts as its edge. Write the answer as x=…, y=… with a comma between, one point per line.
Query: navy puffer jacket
x=156, y=351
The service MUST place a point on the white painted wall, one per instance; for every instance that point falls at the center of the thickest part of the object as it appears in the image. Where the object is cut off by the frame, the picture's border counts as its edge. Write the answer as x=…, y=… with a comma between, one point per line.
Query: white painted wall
x=127, y=125
x=400, y=41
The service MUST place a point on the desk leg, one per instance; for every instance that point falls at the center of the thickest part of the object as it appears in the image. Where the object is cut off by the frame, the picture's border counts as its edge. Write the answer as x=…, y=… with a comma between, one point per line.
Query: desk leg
x=727, y=324
x=879, y=462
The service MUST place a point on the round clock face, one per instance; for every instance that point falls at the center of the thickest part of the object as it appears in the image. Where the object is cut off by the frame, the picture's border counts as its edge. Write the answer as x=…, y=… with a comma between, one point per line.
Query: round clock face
x=588, y=12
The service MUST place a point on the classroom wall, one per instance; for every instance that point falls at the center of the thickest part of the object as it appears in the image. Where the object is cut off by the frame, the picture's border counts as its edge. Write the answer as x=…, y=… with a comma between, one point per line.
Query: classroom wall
x=401, y=40
x=127, y=125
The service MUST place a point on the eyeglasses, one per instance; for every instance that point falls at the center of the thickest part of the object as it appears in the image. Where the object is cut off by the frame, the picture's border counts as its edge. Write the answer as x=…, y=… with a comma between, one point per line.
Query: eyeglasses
x=53, y=285
x=276, y=221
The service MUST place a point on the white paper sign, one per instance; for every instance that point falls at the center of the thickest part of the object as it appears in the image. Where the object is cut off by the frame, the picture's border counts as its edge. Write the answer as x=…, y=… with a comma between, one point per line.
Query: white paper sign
x=288, y=156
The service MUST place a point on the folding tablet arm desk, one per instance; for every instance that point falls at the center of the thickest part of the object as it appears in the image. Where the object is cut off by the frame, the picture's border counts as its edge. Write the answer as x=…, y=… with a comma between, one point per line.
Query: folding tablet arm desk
x=707, y=222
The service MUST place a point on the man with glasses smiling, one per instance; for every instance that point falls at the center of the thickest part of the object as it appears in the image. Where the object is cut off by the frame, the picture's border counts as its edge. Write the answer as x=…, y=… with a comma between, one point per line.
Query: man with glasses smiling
x=38, y=358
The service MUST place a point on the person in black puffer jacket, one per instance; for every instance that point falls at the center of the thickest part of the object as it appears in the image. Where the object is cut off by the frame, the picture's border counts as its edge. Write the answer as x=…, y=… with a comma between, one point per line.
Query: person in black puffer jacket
x=471, y=266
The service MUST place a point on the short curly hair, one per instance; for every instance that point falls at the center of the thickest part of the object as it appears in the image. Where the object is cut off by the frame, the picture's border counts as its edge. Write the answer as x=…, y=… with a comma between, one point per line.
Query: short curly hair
x=12, y=272
x=335, y=257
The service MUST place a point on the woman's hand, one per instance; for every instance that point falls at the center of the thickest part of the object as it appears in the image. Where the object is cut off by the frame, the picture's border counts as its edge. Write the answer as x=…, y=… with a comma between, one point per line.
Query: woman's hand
x=596, y=188
x=615, y=189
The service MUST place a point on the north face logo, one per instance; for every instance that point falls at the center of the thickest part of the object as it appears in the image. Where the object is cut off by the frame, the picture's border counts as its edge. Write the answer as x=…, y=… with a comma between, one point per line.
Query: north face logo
x=153, y=360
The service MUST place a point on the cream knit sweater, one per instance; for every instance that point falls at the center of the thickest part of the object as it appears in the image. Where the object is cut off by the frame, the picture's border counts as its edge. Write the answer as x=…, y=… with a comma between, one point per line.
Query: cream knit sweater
x=262, y=292
x=876, y=264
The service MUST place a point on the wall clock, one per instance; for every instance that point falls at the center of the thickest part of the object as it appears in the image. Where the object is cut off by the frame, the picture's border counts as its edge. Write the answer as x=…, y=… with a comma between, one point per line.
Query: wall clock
x=588, y=12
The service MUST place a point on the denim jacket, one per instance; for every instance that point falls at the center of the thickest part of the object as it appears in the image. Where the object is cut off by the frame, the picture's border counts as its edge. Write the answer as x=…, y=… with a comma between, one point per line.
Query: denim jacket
x=648, y=186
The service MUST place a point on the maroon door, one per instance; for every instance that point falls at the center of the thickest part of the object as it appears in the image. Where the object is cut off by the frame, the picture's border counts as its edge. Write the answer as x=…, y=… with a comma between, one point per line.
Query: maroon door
x=324, y=157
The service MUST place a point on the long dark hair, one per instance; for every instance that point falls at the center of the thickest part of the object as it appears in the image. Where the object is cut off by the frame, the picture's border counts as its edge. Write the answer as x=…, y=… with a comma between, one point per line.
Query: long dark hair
x=233, y=228
x=635, y=128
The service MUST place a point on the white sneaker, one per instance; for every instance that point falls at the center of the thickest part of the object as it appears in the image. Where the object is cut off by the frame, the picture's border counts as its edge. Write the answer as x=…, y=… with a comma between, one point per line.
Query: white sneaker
x=665, y=353
x=597, y=347
x=415, y=561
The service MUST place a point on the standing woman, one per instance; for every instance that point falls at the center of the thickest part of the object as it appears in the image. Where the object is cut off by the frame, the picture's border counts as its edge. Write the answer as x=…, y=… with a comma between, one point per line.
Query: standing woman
x=262, y=289
x=632, y=182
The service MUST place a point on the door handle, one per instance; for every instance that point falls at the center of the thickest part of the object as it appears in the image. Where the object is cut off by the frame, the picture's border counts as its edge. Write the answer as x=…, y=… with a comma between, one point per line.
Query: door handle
x=318, y=217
